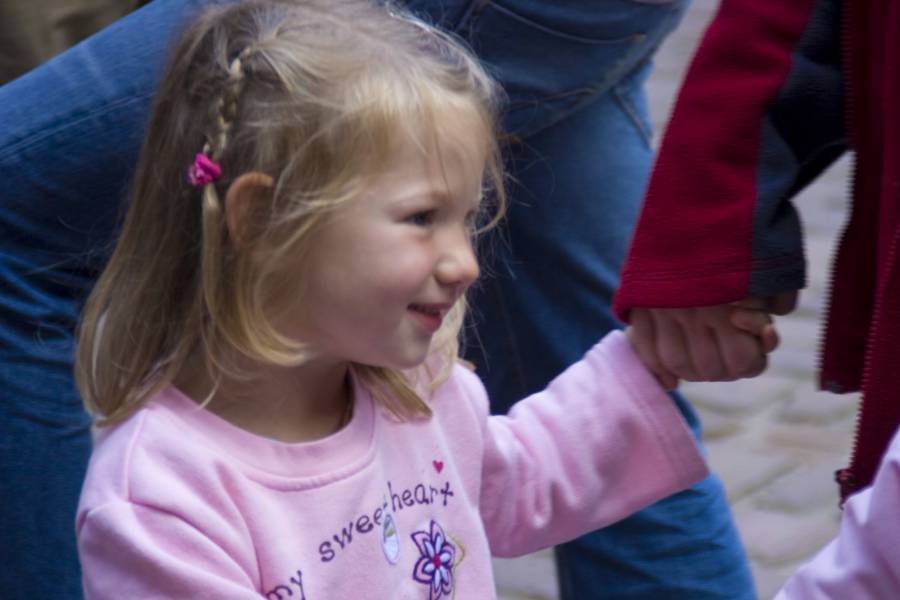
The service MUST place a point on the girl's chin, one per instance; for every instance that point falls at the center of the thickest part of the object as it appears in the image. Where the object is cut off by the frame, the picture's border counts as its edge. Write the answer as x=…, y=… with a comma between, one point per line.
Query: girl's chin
x=406, y=363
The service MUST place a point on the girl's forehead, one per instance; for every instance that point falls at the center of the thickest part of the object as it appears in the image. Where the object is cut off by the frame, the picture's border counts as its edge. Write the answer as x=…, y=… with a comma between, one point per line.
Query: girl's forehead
x=450, y=138
x=445, y=162
x=444, y=143
x=452, y=126
x=440, y=171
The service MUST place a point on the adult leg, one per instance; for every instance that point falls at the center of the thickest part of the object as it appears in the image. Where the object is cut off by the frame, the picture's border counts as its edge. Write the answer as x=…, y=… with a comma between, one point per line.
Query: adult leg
x=69, y=136
x=580, y=157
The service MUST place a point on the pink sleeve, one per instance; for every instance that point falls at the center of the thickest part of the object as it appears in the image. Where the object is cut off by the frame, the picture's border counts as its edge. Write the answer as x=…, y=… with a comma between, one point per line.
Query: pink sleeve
x=861, y=562
x=133, y=551
x=601, y=442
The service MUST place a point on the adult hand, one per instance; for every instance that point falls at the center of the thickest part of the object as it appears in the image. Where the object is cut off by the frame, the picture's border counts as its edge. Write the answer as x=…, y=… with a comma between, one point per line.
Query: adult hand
x=711, y=343
x=779, y=304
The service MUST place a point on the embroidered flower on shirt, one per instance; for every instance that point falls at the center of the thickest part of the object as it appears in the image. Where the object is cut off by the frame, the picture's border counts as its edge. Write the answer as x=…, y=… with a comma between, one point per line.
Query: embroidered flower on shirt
x=435, y=565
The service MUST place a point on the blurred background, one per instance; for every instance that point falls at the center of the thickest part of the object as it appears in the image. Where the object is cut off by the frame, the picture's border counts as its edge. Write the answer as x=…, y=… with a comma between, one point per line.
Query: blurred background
x=32, y=31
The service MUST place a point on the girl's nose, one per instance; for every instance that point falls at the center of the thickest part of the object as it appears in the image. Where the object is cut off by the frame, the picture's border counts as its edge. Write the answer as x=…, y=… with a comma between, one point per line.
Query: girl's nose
x=458, y=265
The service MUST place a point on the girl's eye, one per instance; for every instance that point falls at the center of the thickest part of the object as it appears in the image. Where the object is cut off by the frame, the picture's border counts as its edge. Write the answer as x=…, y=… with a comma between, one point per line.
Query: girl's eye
x=423, y=218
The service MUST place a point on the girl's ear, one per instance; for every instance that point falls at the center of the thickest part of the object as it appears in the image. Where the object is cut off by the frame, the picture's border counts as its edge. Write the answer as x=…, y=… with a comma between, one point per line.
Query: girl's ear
x=247, y=196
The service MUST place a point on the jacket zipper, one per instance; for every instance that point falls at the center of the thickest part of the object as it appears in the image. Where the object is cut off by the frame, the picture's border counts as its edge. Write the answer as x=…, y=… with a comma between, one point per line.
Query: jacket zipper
x=846, y=477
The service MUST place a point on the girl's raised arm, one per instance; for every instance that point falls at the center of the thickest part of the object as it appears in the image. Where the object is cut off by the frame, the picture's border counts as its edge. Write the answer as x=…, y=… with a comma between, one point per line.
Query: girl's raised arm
x=601, y=442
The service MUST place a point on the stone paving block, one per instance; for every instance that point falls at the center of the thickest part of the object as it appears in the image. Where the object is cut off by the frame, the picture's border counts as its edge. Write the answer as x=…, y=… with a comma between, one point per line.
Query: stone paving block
x=824, y=222
x=810, y=442
x=811, y=303
x=799, y=333
x=808, y=487
x=816, y=407
x=775, y=539
x=531, y=577
x=744, y=470
x=828, y=193
x=715, y=425
x=744, y=397
x=819, y=252
x=792, y=362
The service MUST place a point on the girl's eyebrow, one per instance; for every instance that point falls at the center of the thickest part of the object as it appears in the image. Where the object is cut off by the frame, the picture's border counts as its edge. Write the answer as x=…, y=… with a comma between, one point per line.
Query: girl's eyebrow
x=430, y=193
x=443, y=197
x=434, y=194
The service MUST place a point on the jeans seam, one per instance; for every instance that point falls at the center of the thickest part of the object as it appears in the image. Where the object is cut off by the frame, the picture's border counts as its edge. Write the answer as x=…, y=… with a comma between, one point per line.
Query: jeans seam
x=581, y=91
x=33, y=139
x=628, y=108
x=554, y=32
x=588, y=95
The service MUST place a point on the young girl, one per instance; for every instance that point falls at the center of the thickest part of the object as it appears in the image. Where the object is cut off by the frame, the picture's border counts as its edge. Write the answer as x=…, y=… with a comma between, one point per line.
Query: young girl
x=274, y=339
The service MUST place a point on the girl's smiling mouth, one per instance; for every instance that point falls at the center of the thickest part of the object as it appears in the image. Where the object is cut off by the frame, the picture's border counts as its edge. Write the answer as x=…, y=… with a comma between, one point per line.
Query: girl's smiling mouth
x=429, y=316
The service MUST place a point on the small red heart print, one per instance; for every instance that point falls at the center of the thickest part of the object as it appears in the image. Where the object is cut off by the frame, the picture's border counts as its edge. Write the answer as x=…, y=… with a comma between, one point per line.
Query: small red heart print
x=438, y=465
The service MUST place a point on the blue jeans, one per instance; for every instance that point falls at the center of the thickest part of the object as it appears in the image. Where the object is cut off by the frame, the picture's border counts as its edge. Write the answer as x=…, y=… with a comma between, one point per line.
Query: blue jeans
x=69, y=135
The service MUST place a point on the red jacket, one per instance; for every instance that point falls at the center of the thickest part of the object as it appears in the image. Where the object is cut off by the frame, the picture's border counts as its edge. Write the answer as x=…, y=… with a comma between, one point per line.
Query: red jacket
x=779, y=89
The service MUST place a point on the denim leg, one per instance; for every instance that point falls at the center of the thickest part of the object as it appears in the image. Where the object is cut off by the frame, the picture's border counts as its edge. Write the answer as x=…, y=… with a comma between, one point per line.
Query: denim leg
x=69, y=136
x=545, y=300
x=579, y=160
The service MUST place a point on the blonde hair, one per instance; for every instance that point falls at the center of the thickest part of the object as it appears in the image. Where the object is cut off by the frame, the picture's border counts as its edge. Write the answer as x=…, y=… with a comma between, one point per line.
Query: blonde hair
x=316, y=94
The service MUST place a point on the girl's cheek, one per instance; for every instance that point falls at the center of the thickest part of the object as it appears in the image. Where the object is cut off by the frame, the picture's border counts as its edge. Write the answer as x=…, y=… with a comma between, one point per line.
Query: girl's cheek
x=411, y=261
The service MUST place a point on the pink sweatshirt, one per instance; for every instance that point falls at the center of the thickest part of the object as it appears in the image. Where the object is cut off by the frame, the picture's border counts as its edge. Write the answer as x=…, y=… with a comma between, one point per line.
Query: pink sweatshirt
x=180, y=504
x=861, y=563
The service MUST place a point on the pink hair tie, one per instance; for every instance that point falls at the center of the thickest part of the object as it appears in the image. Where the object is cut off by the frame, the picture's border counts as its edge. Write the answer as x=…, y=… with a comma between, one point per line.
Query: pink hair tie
x=204, y=170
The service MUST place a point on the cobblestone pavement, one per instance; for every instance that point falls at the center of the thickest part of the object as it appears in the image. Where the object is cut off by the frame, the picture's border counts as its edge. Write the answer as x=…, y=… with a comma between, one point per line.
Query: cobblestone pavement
x=774, y=440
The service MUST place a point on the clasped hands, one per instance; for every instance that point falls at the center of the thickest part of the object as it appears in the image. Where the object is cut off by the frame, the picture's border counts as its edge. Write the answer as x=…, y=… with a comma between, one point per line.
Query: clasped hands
x=708, y=343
